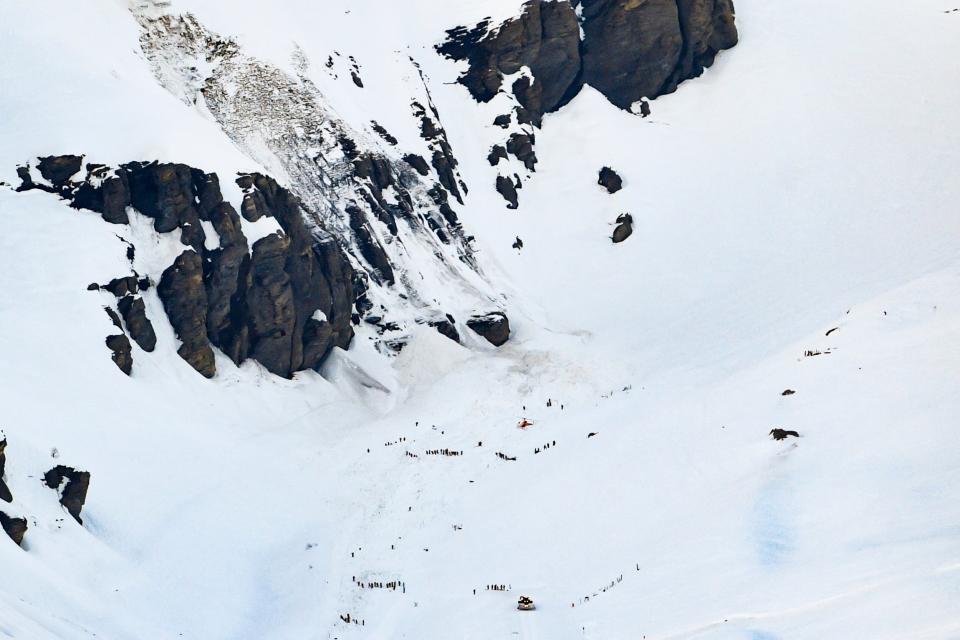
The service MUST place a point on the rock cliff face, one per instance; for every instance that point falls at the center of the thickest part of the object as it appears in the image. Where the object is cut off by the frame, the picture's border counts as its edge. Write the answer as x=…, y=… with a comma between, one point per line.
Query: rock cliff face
x=285, y=301
x=630, y=49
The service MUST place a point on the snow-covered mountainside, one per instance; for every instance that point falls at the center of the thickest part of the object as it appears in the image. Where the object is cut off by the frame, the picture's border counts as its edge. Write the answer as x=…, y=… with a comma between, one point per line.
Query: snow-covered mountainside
x=363, y=319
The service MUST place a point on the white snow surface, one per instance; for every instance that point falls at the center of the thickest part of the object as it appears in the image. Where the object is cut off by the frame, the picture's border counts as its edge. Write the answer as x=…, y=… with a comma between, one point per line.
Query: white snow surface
x=807, y=182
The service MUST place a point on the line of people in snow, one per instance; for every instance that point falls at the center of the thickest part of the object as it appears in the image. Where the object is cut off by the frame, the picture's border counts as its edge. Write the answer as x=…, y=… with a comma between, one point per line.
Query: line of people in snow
x=393, y=585
x=603, y=589
x=504, y=456
x=545, y=447
x=443, y=452
x=348, y=619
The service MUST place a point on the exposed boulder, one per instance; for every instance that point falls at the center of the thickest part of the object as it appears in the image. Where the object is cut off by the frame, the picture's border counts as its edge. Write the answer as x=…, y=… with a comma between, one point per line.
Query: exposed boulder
x=783, y=434
x=59, y=169
x=5, y=494
x=74, y=492
x=16, y=528
x=446, y=326
x=497, y=153
x=521, y=146
x=508, y=190
x=624, y=228
x=418, y=163
x=185, y=301
x=610, y=180
x=494, y=327
x=121, y=352
x=134, y=314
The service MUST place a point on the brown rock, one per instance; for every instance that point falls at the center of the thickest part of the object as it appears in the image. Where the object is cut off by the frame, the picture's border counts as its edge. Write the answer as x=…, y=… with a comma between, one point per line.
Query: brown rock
x=185, y=300
x=16, y=528
x=122, y=355
x=134, y=314
x=494, y=327
x=74, y=493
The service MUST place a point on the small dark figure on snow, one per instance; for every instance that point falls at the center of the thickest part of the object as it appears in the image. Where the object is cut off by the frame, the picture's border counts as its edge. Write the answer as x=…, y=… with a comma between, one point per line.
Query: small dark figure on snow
x=518, y=244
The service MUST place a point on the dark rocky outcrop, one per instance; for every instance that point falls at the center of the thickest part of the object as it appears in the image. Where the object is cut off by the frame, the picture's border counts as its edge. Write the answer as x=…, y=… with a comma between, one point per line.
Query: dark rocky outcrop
x=121, y=352
x=624, y=228
x=124, y=286
x=5, y=494
x=637, y=49
x=370, y=249
x=610, y=180
x=631, y=49
x=106, y=192
x=497, y=153
x=783, y=434
x=139, y=327
x=59, y=169
x=446, y=326
x=165, y=192
x=545, y=38
x=16, y=528
x=418, y=163
x=74, y=492
x=508, y=190
x=114, y=318
x=442, y=160
x=494, y=327
x=185, y=300
x=520, y=145
x=383, y=133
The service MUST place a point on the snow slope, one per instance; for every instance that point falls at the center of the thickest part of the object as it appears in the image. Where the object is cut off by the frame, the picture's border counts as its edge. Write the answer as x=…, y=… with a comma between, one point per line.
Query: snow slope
x=805, y=183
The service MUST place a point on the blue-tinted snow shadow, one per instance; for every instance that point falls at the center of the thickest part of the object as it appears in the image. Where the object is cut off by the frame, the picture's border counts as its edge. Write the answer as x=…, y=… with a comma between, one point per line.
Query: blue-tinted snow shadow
x=772, y=521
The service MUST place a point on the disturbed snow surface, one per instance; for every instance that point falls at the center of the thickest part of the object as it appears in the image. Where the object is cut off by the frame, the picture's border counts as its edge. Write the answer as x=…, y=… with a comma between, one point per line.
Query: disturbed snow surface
x=781, y=195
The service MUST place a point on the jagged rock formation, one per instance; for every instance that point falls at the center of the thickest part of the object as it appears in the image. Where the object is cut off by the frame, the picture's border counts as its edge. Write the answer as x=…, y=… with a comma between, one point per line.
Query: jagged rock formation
x=545, y=38
x=610, y=180
x=624, y=228
x=285, y=303
x=631, y=49
x=382, y=203
x=494, y=327
x=74, y=492
x=5, y=494
x=16, y=528
x=446, y=326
